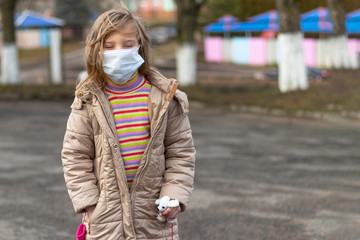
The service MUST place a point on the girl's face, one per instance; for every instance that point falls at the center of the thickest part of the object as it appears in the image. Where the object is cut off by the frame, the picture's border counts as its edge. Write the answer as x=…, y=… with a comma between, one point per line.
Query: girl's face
x=122, y=39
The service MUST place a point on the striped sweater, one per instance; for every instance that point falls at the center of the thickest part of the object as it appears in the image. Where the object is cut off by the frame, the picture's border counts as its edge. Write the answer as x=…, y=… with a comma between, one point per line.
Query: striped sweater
x=130, y=110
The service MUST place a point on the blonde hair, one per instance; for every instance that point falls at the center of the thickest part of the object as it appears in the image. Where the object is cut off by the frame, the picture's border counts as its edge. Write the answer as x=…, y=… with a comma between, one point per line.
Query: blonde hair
x=108, y=22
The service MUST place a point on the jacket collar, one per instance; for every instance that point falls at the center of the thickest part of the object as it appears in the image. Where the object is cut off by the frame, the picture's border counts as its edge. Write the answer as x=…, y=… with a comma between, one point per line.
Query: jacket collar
x=162, y=83
x=165, y=85
x=163, y=90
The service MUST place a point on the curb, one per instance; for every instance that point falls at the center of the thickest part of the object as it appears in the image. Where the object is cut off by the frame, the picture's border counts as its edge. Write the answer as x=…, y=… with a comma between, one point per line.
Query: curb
x=325, y=116
x=43, y=94
x=339, y=118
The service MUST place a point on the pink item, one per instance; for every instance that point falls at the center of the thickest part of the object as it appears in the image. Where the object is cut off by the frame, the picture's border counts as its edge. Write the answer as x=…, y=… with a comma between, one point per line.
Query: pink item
x=309, y=52
x=258, y=51
x=80, y=234
x=268, y=34
x=172, y=231
x=214, y=49
x=353, y=46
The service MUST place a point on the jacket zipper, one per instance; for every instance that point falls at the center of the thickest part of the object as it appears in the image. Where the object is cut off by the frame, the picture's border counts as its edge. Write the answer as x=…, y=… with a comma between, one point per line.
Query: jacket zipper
x=123, y=170
x=140, y=174
x=107, y=120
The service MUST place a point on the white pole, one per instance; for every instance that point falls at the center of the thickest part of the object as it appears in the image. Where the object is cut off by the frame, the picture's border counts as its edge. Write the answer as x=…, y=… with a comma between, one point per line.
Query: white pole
x=55, y=56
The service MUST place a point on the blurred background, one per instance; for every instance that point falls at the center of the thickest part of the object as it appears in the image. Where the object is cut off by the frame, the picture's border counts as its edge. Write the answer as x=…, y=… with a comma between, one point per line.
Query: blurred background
x=274, y=106
x=231, y=44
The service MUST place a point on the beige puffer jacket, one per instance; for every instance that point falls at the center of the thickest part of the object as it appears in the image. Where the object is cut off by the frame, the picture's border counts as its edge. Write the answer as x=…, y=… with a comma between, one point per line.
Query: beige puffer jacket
x=94, y=171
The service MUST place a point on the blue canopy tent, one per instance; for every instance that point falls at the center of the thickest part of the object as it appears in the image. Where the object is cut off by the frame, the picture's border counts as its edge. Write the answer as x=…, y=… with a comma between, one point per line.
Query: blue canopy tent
x=222, y=25
x=29, y=19
x=353, y=22
x=228, y=19
x=269, y=16
x=255, y=27
x=325, y=25
x=317, y=14
x=314, y=21
x=353, y=16
x=51, y=38
x=265, y=22
x=216, y=28
x=353, y=27
x=317, y=27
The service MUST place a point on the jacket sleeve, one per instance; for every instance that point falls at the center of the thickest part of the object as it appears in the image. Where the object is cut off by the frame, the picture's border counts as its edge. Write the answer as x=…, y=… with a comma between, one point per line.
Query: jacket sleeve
x=77, y=159
x=179, y=152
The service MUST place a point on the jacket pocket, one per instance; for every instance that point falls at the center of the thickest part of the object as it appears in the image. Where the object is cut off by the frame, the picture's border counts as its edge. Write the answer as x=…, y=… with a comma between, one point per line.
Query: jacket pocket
x=89, y=221
x=101, y=205
x=100, y=208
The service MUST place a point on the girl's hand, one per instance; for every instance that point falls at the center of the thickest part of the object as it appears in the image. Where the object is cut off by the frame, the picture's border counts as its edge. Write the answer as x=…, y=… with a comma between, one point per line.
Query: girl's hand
x=90, y=210
x=170, y=213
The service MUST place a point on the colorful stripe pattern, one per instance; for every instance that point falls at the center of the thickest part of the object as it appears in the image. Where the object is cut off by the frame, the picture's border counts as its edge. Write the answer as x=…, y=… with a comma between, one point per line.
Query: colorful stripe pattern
x=130, y=110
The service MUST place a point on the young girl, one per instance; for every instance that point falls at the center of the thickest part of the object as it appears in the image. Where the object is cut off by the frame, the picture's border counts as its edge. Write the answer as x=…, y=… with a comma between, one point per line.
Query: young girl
x=128, y=140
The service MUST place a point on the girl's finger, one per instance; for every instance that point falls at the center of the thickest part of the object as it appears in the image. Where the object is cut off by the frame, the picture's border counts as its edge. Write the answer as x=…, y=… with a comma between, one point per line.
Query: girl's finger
x=173, y=214
x=165, y=213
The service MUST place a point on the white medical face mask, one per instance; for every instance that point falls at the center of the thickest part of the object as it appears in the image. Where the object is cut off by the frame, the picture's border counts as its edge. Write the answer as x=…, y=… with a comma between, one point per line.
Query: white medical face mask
x=119, y=65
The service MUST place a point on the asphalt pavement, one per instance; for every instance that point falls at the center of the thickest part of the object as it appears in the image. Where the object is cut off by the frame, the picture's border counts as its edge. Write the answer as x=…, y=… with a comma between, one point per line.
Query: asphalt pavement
x=257, y=177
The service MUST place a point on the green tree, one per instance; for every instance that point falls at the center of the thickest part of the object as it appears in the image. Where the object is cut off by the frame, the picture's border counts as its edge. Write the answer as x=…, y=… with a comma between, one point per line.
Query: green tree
x=75, y=13
x=242, y=9
x=306, y=5
x=351, y=5
x=215, y=9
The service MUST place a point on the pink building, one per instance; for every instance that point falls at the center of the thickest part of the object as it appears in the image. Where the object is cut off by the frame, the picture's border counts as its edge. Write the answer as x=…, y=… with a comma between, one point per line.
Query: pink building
x=163, y=10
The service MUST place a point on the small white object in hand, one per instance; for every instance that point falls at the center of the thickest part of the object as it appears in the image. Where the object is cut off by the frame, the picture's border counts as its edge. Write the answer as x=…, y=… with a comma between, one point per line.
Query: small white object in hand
x=163, y=203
